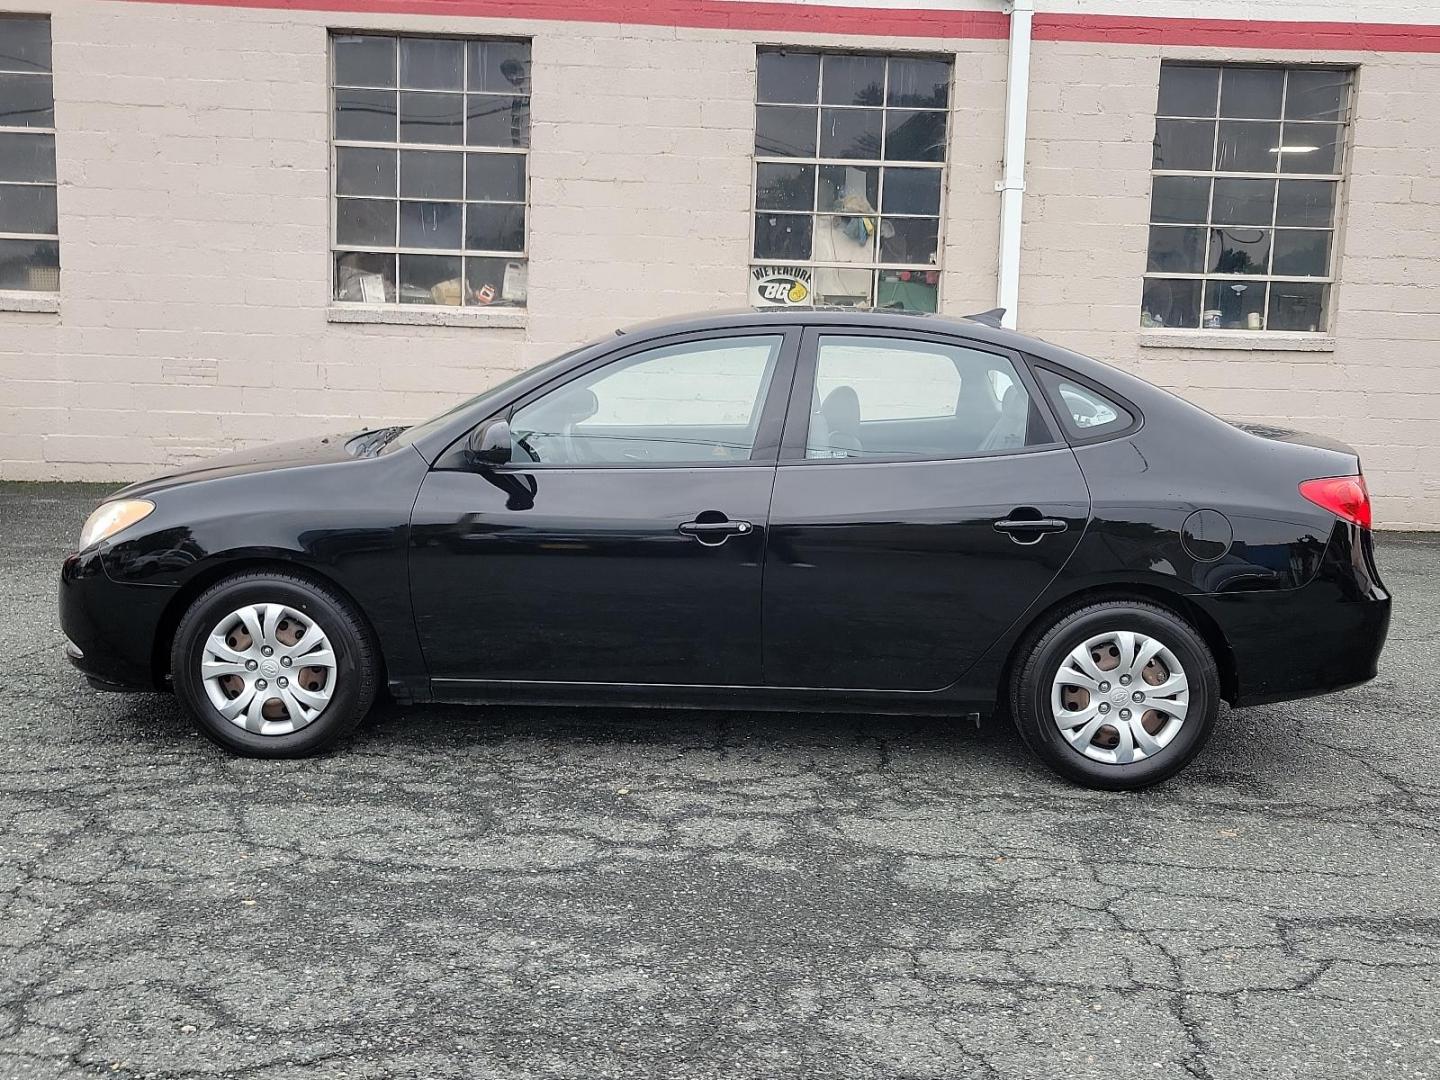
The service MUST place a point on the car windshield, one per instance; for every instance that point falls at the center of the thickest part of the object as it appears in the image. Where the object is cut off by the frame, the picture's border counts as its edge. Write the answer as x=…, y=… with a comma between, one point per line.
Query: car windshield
x=418, y=431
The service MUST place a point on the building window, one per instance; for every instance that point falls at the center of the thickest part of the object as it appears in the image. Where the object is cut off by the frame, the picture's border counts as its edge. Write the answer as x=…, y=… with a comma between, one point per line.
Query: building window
x=430, y=140
x=29, y=224
x=1244, y=197
x=850, y=153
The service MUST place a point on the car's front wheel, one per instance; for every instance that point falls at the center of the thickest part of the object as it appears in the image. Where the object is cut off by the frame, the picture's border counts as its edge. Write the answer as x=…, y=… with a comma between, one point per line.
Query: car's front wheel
x=271, y=664
x=1116, y=695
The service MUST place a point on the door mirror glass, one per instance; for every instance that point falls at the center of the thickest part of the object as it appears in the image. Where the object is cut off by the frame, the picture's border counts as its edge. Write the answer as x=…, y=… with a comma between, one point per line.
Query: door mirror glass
x=692, y=403
x=489, y=444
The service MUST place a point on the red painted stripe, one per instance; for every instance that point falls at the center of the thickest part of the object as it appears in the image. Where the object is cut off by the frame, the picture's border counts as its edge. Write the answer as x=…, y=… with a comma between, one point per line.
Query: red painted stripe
x=860, y=21
x=704, y=14
x=1240, y=33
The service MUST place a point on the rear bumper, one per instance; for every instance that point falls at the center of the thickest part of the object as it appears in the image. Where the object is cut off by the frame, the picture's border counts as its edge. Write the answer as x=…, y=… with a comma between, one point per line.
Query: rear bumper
x=1322, y=637
x=111, y=627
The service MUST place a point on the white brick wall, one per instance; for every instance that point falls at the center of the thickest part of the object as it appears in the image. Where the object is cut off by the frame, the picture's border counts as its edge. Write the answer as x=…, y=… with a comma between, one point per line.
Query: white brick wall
x=194, y=224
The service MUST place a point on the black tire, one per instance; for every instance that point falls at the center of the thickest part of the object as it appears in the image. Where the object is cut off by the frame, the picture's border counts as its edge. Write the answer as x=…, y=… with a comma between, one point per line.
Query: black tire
x=356, y=672
x=1039, y=659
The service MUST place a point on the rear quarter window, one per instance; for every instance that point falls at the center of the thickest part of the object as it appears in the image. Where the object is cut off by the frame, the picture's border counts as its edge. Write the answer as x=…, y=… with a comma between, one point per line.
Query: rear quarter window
x=1086, y=412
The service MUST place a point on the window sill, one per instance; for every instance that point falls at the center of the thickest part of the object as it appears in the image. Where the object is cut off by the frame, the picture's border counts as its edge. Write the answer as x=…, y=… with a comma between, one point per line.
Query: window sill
x=29, y=301
x=1248, y=340
x=426, y=315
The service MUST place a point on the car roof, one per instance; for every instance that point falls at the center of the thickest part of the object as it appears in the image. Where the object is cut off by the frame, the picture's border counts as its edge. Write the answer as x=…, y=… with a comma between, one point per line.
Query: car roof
x=969, y=326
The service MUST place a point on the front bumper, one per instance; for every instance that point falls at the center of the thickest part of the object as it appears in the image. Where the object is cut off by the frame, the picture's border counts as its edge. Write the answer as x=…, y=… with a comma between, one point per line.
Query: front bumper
x=1322, y=637
x=112, y=627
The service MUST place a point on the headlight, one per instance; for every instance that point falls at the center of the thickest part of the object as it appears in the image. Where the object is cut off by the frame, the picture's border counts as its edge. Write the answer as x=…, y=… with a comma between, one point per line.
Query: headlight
x=109, y=518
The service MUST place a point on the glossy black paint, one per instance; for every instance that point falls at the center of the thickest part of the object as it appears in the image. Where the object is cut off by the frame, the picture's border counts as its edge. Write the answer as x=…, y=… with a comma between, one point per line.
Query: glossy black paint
x=868, y=586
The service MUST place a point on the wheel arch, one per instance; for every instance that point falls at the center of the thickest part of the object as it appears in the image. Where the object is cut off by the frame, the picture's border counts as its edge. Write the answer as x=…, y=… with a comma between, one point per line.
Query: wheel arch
x=1176, y=603
x=186, y=594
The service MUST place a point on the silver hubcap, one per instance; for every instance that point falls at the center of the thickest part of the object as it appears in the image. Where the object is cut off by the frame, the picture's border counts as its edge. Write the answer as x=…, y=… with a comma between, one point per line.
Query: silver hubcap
x=1120, y=697
x=268, y=668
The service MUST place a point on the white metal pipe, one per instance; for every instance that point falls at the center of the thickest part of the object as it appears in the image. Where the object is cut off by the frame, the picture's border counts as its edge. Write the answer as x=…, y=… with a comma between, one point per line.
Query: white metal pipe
x=1012, y=185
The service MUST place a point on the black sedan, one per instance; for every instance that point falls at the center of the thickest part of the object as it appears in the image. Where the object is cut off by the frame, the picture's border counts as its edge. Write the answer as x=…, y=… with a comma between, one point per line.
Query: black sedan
x=789, y=510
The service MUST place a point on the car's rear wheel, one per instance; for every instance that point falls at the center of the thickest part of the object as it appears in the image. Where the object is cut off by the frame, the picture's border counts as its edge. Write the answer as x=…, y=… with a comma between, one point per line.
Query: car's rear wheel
x=272, y=664
x=1116, y=695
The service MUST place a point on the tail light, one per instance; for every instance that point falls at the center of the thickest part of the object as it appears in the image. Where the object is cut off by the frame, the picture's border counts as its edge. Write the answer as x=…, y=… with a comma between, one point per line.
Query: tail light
x=1344, y=496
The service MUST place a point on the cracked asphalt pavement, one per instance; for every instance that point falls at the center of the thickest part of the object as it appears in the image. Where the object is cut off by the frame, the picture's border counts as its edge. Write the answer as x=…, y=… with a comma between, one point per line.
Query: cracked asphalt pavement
x=515, y=892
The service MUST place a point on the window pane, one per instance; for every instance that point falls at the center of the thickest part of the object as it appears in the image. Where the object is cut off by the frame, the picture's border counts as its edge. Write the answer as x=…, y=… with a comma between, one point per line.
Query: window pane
x=1298, y=305
x=1251, y=93
x=908, y=290
x=27, y=208
x=784, y=187
x=24, y=44
x=27, y=158
x=26, y=101
x=843, y=287
x=919, y=83
x=1234, y=305
x=1306, y=202
x=364, y=171
x=1311, y=148
x=1187, y=91
x=1247, y=146
x=1239, y=251
x=782, y=131
x=32, y=265
x=1184, y=144
x=910, y=240
x=1316, y=95
x=494, y=227
x=430, y=225
x=787, y=77
x=365, y=222
x=363, y=60
x=1085, y=411
x=502, y=282
x=1301, y=252
x=1180, y=199
x=846, y=237
x=849, y=187
x=431, y=174
x=782, y=236
x=364, y=277
x=1243, y=202
x=498, y=120
x=853, y=80
x=1178, y=249
x=431, y=118
x=878, y=398
x=500, y=66
x=495, y=177
x=430, y=279
x=912, y=191
x=914, y=136
x=1170, y=302
x=696, y=402
x=432, y=64
x=850, y=133
x=365, y=115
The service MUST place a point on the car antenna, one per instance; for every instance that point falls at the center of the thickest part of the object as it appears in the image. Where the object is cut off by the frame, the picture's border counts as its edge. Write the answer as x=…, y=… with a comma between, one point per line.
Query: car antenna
x=989, y=318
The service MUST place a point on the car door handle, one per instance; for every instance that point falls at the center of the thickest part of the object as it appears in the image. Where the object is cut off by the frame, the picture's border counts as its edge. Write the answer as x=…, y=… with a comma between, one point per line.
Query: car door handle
x=714, y=532
x=1029, y=530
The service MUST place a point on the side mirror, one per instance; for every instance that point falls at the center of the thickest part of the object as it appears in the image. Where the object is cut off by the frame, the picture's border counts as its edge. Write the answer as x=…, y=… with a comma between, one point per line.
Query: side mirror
x=490, y=443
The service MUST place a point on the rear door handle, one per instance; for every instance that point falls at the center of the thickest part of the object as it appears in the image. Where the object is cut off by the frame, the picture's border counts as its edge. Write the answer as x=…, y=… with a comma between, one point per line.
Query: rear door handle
x=1029, y=530
x=712, y=533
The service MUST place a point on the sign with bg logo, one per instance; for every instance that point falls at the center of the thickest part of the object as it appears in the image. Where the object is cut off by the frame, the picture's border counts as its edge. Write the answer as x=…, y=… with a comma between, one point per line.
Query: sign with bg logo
x=779, y=286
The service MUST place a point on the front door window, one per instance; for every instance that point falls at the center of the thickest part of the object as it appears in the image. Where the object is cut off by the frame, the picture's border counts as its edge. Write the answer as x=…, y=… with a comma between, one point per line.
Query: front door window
x=694, y=403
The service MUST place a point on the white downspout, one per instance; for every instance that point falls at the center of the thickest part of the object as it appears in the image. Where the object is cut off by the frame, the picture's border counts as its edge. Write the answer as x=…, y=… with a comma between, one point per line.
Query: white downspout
x=1012, y=187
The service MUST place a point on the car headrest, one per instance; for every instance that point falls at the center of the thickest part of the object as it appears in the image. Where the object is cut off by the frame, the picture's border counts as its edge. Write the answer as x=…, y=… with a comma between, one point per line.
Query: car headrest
x=841, y=409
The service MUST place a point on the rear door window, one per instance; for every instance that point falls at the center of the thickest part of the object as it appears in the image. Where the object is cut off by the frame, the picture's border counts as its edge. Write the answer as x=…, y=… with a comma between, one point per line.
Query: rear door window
x=877, y=397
